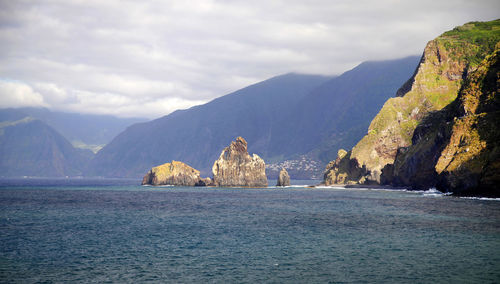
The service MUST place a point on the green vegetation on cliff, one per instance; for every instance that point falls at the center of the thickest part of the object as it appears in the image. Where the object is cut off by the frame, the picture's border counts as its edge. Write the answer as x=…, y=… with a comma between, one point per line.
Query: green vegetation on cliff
x=483, y=35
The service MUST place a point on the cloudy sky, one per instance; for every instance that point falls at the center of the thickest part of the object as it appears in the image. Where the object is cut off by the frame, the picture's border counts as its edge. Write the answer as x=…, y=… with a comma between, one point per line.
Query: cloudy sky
x=148, y=58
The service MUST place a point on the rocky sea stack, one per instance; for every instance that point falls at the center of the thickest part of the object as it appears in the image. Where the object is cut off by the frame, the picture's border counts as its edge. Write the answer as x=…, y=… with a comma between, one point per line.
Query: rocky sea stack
x=283, y=178
x=175, y=173
x=235, y=167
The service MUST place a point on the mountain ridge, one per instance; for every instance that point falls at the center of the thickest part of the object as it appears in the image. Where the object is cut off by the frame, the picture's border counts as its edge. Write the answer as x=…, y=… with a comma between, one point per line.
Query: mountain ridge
x=86, y=131
x=215, y=123
x=262, y=113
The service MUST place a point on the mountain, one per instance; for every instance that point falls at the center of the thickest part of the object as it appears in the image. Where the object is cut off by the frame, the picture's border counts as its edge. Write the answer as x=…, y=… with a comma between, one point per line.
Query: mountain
x=197, y=135
x=447, y=68
x=336, y=114
x=87, y=131
x=282, y=118
x=29, y=147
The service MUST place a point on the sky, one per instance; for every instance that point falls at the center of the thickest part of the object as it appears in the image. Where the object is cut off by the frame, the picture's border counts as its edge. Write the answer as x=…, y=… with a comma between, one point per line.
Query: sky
x=149, y=58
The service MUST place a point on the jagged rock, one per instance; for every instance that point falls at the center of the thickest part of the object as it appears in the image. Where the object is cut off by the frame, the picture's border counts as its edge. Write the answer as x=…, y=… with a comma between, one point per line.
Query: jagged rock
x=235, y=167
x=283, y=178
x=445, y=66
x=174, y=173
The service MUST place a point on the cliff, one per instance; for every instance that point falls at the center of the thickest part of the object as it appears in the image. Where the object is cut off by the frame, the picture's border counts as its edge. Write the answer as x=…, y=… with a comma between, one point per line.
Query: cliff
x=457, y=149
x=235, y=167
x=174, y=173
x=446, y=62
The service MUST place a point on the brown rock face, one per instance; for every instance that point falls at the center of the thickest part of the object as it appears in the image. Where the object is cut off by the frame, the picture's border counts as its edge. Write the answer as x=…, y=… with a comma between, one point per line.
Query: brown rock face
x=344, y=170
x=283, y=178
x=235, y=167
x=174, y=173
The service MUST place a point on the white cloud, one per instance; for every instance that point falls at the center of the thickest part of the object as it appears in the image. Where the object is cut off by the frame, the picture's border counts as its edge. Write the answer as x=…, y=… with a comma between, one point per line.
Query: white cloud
x=149, y=57
x=16, y=94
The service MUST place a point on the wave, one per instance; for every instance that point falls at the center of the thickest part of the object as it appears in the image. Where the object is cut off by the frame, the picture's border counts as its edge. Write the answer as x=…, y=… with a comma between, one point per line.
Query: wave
x=433, y=192
x=164, y=185
x=480, y=198
x=329, y=187
x=291, y=186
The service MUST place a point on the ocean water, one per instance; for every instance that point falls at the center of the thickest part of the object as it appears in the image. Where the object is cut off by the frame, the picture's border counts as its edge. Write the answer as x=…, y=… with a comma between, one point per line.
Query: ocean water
x=115, y=231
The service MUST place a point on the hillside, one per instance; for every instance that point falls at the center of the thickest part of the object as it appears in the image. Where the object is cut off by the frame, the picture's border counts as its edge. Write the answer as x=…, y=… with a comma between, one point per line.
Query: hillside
x=197, y=135
x=29, y=147
x=447, y=63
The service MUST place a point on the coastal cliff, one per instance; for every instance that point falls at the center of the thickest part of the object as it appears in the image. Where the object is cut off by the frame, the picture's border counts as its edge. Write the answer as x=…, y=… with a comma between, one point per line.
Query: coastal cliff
x=458, y=148
x=235, y=167
x=446, y=68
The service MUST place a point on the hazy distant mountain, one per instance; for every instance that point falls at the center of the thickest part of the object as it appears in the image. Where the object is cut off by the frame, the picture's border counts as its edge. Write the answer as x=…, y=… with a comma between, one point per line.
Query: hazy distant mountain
x=29, y=147
x=197, y=135
x=82, y=130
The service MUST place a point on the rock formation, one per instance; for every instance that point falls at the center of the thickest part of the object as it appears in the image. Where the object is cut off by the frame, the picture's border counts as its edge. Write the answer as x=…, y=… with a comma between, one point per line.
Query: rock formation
x=446, y=64
x=174, y=173
x=235, y=167
x=283, y=178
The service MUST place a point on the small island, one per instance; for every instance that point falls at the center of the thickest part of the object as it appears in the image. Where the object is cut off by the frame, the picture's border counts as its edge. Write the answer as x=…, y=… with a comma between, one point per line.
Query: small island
x=283, y=178
x=174, y=173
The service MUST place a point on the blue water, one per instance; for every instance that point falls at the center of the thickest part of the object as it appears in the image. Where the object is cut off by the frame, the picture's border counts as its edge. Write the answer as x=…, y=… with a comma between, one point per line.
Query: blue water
x=117, y=231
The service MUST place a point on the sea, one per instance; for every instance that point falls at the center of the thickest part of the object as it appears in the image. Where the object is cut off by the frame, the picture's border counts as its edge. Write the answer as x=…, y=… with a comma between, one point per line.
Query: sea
x=117, y=231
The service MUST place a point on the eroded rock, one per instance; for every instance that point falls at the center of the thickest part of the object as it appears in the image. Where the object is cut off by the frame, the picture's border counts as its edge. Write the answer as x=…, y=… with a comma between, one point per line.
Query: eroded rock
x=283, y=178
x=235, y=167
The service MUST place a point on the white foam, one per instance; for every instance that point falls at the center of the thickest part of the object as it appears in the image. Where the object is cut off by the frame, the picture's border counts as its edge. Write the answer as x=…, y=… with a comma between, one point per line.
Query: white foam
x=165, y=185
x=432, y=192
x=482, y=198
x=329, y=187
x=299, y=185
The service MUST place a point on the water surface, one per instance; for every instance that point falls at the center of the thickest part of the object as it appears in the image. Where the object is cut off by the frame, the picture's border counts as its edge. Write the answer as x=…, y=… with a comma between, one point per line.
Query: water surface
x=117, y=231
